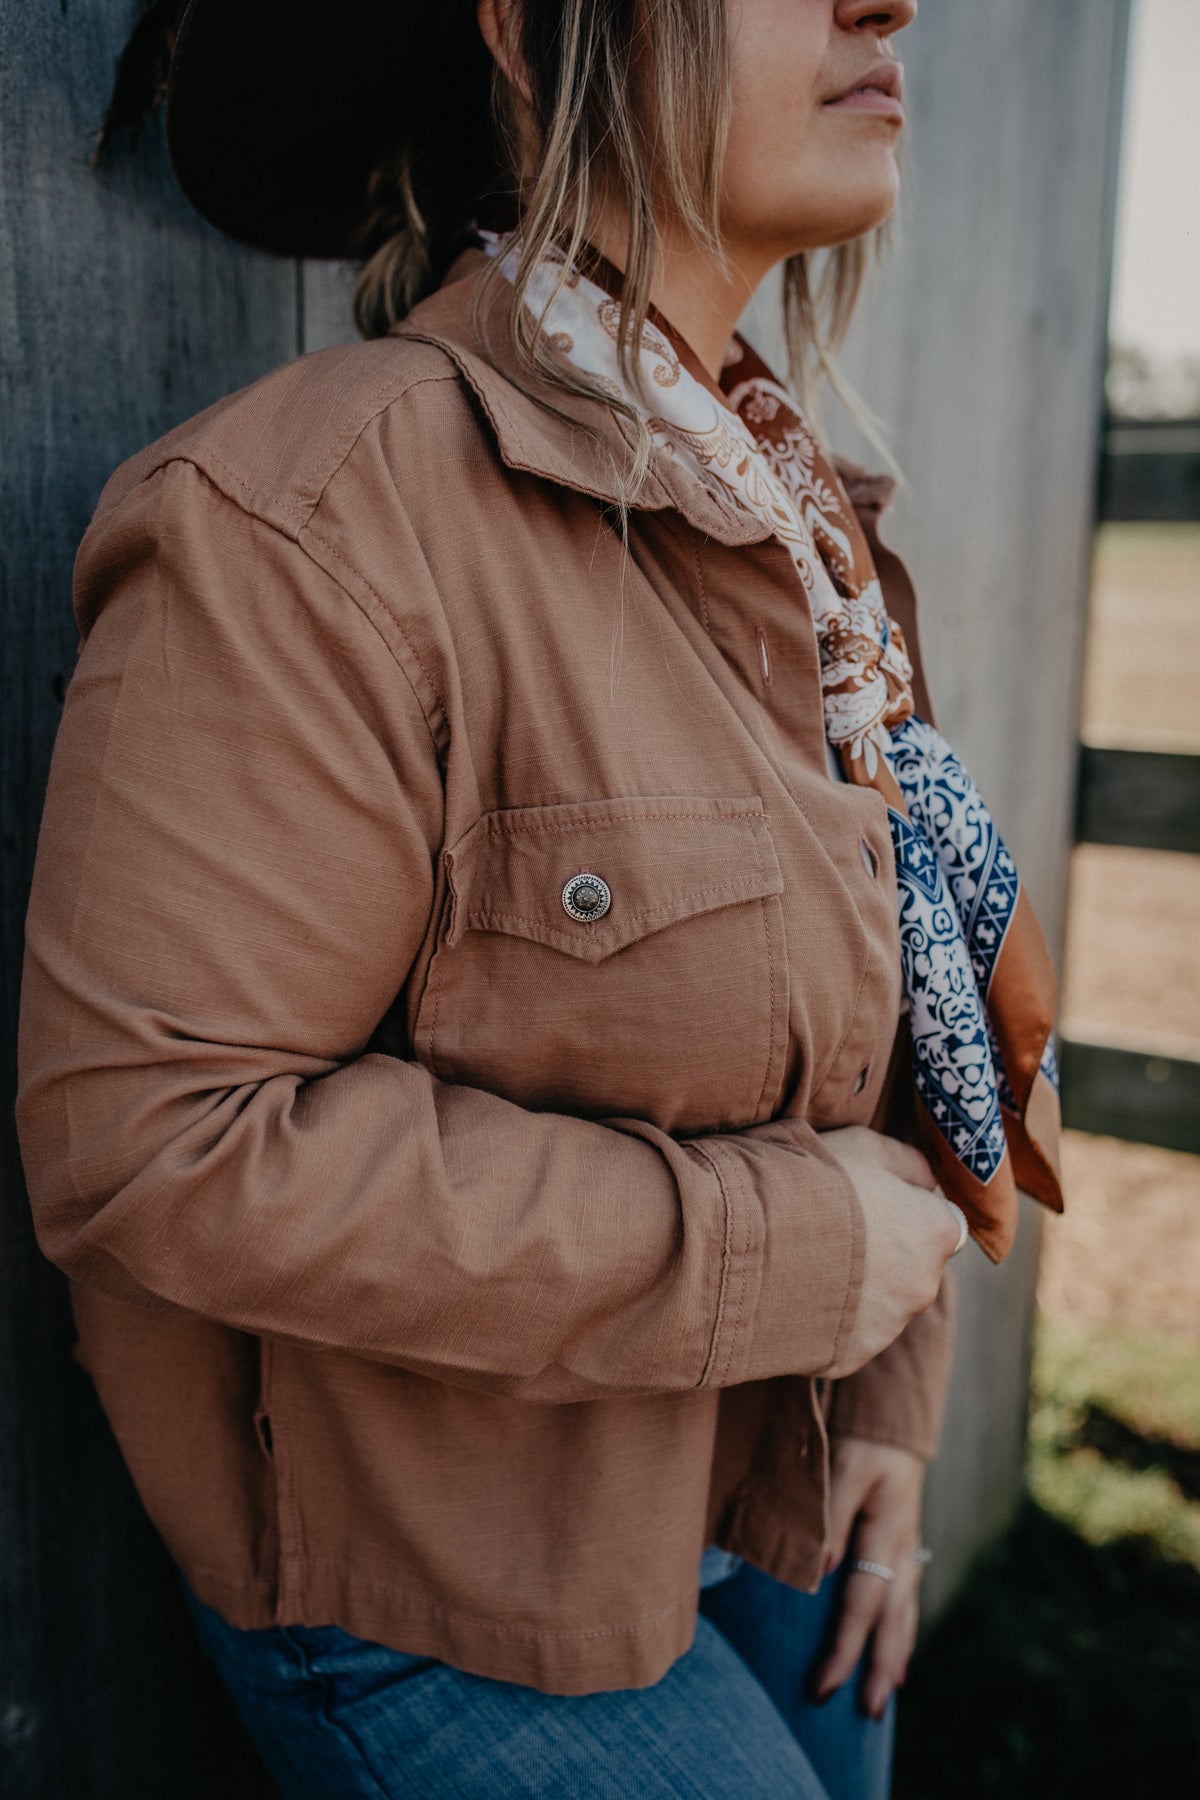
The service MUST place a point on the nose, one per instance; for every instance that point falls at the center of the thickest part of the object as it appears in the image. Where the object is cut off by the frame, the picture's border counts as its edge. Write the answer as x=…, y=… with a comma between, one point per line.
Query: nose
x=870, y=15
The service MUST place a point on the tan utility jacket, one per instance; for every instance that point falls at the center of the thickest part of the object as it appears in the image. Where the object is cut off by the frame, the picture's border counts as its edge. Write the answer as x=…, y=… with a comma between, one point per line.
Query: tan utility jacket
x=438, y=1257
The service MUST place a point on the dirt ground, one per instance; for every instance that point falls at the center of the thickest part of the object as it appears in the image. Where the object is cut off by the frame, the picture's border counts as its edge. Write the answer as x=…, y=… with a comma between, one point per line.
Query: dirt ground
x=1128, y=1248
x=1142, y=663
x=1132, y=970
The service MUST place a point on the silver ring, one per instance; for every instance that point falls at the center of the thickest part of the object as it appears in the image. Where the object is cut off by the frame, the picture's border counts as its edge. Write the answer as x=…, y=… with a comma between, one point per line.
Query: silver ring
x=964, y=1230
x=866, y=1567
x=923, y=1556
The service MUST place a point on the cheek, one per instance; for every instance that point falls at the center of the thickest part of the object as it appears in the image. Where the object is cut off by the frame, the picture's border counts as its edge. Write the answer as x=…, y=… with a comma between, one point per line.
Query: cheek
x=777, y=53
x=771, y=132
x=804, y=179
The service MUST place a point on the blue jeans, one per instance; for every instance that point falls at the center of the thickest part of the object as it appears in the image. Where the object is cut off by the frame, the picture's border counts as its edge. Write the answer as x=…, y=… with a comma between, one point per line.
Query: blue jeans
x=336, y=1717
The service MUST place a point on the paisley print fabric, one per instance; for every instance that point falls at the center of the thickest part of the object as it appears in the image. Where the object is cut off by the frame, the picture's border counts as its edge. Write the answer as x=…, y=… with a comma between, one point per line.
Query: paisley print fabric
x=980, y=981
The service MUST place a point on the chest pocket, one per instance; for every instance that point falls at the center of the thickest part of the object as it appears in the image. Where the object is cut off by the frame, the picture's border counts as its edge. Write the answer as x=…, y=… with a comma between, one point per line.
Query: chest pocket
x=667, y=1000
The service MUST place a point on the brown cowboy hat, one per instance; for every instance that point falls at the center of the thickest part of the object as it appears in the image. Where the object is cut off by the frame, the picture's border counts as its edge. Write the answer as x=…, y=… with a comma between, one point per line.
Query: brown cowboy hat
x=279, y=113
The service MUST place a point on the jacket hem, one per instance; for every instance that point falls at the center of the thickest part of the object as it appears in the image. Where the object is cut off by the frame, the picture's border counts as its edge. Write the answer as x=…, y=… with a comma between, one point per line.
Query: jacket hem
x=764, y=1534
x=575, y=1660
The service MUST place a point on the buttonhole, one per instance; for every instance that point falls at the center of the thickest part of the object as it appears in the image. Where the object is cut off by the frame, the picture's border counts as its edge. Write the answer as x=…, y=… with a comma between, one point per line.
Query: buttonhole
x=764, y=655
x=869, y=857
x=861, y=1080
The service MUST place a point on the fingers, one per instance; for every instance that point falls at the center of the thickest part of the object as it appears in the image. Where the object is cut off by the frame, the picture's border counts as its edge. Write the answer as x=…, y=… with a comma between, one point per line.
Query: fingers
x=911, y=1164
x=893, y=1154
x=863, y=1598
x=845, y=1500
x=877, y=1625
x=891, y=1644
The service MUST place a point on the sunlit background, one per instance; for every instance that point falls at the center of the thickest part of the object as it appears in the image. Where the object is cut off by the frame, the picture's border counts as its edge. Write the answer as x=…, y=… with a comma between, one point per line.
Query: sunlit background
x=1128, y=1254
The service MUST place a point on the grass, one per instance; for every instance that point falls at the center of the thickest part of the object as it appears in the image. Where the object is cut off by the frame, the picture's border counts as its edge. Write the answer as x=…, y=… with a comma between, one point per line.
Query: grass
x=1114, y=1436
x=1069, y=1664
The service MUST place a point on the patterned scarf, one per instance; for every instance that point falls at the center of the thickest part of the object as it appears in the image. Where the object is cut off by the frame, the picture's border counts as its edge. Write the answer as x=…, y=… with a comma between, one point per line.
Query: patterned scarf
x=981, y=984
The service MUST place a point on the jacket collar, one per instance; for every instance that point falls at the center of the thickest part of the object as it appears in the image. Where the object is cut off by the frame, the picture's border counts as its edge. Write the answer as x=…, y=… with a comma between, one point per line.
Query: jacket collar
x=536, y=442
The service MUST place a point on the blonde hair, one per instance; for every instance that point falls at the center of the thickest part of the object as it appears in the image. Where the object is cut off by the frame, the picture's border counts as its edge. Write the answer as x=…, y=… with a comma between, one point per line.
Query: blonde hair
x=583, y=60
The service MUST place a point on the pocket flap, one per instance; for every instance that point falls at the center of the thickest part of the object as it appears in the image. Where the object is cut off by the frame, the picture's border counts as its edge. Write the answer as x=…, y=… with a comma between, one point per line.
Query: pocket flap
x=663, y=857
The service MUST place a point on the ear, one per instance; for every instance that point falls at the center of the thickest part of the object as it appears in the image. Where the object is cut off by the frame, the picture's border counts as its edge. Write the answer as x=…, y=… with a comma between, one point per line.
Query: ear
x=496, y=24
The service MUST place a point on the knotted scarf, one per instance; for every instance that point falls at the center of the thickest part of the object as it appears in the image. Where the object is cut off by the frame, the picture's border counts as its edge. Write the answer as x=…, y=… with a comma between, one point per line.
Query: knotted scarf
x=980, y=981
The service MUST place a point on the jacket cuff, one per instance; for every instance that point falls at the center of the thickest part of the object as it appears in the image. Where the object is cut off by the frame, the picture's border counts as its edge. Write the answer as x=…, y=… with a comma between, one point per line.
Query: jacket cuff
x=899, y=1397
x=794, y=1254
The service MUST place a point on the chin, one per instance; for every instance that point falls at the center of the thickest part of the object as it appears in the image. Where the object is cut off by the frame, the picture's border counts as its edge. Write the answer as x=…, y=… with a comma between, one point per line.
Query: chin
x=790, y=223
x=848, y=229
x=848, y=213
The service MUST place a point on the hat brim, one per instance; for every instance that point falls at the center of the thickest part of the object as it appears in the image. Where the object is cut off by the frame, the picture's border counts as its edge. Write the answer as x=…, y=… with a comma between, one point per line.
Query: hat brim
x=277, y=111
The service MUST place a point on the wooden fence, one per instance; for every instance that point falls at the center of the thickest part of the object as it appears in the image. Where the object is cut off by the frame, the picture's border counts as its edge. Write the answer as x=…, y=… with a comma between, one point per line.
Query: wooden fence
x=121, y=313
x=1150, y=800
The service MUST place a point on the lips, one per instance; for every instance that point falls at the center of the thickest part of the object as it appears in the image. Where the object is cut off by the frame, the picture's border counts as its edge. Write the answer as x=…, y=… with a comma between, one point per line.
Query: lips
x=877, y=89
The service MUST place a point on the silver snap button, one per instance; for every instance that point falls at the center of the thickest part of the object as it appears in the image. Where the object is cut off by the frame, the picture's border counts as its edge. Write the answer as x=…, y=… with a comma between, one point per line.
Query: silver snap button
x=586, y=897
x=861, y=1080
x=870, y=860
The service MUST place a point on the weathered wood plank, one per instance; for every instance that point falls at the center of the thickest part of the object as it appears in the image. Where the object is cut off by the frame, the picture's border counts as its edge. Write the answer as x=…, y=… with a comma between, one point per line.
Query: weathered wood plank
x=1117, y=1091
x=986, y=353
x=983, y=350
x=120, y=313
x=1149, y=799
x=328, y=290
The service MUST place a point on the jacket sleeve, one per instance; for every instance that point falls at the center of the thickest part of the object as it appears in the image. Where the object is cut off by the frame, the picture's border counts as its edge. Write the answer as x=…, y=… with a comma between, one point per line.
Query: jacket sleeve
x=235, y=872
x=899, y=1397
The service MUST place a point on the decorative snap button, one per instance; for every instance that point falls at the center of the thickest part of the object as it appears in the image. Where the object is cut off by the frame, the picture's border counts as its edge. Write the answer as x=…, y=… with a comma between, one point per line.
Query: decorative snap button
x=870, y=860
x=861, y=1079
x=586, y=897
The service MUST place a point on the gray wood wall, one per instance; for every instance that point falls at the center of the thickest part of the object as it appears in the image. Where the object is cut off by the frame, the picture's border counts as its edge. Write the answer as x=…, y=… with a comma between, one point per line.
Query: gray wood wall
x=988, y=352
x=121, y=313
x=982, y=347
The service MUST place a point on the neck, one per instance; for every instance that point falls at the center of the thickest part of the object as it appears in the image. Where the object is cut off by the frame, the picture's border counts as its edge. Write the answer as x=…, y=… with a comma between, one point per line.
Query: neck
x=702, y=302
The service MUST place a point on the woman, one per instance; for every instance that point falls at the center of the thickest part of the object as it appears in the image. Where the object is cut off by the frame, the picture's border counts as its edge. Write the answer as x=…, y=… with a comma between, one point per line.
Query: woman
x=485, y=916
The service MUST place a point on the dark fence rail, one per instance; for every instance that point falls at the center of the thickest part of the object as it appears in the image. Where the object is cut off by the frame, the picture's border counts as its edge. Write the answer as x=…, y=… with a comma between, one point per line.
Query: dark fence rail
x=1147, y=800
x=1151, y=471
x=1112, y=1091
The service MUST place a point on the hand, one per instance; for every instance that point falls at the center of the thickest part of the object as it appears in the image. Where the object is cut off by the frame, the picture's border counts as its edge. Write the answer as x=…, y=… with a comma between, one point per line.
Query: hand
x=911, y=1235
x=875, y=1507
